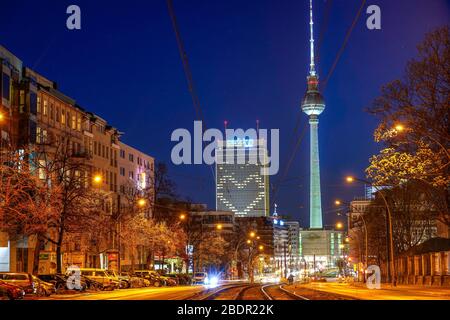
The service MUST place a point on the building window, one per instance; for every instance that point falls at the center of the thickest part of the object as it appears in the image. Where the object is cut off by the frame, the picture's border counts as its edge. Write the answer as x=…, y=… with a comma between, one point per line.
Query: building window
x=143, y=180
x=131, y=175
x=74, y=122
x=122, y=154
x=38, y=134
x=63, y=117
x=57, y=116
x=45, y=109
x=52, y=115
x=33, y=102
x=122, y=171
x=6, y=86
x=38, y=104
x=68, y=118
x=41, y=135
x=130, y=157
x=79, y=123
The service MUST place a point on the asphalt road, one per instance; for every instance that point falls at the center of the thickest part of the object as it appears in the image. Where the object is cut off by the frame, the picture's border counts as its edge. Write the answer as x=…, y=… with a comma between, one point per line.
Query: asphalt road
x=333, y=291
x=164, y=293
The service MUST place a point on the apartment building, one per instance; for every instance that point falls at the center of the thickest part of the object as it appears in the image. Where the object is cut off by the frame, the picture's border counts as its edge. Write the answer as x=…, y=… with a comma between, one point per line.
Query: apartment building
x=34, y=113
x=135, y=179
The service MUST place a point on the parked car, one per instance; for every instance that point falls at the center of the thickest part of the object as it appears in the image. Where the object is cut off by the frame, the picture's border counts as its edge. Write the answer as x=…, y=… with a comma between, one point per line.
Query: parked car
x=184, y=279
x=171, y=279
x=152, y=276
x=134, y=281
x=11, y=291
x=92, y=284
x=101, y=276
x=21, y=279
x=60, y=281
x=200, y=278
x=124, y=282
x=44, y=288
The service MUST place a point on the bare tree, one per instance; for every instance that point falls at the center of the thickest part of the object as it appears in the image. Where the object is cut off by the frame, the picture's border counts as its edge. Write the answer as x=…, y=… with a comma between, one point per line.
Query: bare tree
x=65, y=167
x=414, y=125
x=29, y=206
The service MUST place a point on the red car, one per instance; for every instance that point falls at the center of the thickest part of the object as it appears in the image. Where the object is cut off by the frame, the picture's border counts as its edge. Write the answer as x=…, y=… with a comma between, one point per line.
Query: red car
x=11, y=291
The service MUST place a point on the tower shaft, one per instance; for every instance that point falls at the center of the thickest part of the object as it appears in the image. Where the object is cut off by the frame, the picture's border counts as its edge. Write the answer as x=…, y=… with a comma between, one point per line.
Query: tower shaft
x=315, y=210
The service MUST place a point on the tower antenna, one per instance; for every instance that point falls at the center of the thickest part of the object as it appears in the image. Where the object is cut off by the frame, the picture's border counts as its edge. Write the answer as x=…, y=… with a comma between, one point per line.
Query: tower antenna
x=312, y=69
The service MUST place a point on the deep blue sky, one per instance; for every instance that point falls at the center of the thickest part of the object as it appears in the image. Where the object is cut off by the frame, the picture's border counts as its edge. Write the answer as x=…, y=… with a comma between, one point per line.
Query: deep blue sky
x=249, y=60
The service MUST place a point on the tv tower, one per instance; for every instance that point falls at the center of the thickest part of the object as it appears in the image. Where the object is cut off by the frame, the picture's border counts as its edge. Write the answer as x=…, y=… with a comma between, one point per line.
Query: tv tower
x=313, y=105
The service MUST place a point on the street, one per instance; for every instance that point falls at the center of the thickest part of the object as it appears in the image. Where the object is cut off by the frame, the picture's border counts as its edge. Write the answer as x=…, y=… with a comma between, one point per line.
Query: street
x=359, y=291
x=165, y=293
x=246, y=291
x=209, y=150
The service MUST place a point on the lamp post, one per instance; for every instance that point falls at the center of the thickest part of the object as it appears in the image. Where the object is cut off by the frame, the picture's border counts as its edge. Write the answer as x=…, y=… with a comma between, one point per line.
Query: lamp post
x=351, y=179
x=400, y=128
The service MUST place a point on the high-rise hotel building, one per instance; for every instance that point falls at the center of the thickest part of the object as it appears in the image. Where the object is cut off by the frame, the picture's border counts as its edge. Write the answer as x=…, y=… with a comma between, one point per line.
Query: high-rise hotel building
x=242, y=185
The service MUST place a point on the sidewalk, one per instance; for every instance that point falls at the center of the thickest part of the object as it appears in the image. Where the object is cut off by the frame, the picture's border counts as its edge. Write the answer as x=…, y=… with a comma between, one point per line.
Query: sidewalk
x=360, y=291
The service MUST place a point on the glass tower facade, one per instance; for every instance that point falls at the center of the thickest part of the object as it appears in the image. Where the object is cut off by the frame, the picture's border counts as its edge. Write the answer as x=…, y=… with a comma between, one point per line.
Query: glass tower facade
x=241, y=185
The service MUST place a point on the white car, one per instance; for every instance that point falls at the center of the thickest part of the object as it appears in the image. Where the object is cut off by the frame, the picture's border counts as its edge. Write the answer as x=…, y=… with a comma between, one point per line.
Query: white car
x=200, y=278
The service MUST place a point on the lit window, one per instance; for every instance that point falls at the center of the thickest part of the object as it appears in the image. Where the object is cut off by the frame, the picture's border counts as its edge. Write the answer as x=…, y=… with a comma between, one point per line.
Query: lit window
x=143, y=180
x=45, y=109
x=39, y=104
x=63, y=117
x=38, y=135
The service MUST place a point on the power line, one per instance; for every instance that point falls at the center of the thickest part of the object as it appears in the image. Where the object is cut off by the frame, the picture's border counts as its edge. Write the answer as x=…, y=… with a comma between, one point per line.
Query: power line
x=188, y=72
x=289, y=163
x=344, y=44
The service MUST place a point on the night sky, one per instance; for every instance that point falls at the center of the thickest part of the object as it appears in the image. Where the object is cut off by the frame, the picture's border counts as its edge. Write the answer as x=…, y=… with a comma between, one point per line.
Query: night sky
x=249, y=60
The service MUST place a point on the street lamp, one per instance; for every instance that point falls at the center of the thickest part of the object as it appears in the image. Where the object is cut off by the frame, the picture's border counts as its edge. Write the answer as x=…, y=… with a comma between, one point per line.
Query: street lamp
x=252, y=234
x=141, y=202
x=261, y=248
x=389, y=222
x=399, y=127
x=182, y=217
x=97, y=179
x=249, y=241
x=339, y=225
x=219, y=226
